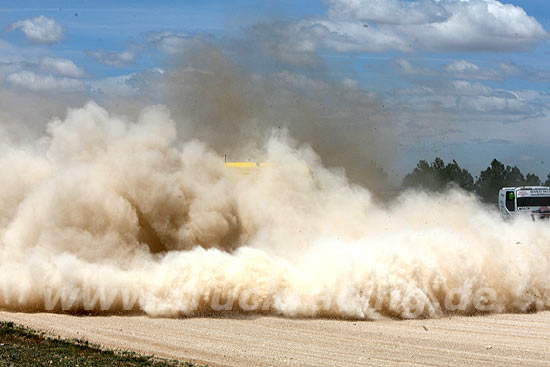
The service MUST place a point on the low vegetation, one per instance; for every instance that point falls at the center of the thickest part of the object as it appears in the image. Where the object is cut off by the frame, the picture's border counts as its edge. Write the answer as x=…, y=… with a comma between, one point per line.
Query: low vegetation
x=21, y=346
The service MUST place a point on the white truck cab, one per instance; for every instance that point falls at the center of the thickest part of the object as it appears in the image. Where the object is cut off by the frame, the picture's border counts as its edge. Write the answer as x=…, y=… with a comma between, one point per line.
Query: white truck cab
x=530, y=200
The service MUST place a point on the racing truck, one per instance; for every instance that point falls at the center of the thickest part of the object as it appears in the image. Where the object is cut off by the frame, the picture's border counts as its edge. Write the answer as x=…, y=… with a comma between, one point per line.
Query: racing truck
x=525, y=200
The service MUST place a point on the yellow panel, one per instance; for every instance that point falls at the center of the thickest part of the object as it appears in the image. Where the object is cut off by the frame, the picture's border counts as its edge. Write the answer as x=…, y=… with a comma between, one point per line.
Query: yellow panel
x=241, y=164
x=247, y=167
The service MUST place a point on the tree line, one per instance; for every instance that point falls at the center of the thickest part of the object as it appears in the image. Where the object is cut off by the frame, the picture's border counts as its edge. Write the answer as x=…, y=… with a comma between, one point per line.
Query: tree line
x=437, y=176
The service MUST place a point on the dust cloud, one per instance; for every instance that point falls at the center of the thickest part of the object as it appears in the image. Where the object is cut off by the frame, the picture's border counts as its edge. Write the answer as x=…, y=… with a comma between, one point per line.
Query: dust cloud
x=235, y=111
x=106, y=214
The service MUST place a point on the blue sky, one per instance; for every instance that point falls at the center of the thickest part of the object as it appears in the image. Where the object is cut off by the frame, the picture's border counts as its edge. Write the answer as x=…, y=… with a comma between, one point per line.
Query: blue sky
x=458, y=79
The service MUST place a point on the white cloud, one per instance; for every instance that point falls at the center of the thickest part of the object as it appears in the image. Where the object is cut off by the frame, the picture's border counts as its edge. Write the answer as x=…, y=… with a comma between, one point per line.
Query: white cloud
x=114, y=59
x=509, y=69
x=62, y=67
x=172, y=43
x=464, y=98
x=345, y=36
x=459, y=110
x=10, y=53
x=461, y=66
x=298, y=42
x=404, y=67
x=379, y=26
x=480, y=25
x=40, y=29
x=273, y=41
x=8, y=68
x=388, y=11
x=484, y=104
x=147, y=83
x=467, y=70
x=40, y=83
x=462, y=69
x=350, y=84
x=114, y=86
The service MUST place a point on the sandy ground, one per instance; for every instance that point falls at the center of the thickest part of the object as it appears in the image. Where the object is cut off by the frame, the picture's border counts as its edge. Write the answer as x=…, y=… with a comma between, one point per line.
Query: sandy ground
x=492, y=340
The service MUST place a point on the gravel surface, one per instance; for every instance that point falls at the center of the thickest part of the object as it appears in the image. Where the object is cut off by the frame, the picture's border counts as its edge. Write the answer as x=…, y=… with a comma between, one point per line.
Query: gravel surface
x=251, y=340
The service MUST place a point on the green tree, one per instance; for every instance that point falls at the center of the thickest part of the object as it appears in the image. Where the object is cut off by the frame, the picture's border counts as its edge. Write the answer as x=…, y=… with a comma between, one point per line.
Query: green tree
x=422, y=175
x=437, y=176
x=453, y=173
x=547, y=183
x=532, y=180
x=497, y=176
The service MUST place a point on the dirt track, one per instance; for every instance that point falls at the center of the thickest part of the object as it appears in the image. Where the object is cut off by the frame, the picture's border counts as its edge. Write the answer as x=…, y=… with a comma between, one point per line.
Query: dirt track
x=270, y=341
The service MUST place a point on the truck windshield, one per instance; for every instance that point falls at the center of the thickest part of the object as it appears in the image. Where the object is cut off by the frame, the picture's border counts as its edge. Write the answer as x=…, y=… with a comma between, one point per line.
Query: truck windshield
x=534, y=201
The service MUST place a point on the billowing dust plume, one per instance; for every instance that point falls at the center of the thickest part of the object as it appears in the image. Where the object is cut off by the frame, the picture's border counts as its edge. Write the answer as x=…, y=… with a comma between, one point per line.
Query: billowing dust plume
x=106, y=214
x=213, y=99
